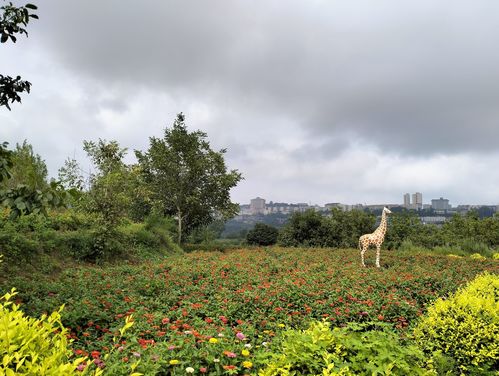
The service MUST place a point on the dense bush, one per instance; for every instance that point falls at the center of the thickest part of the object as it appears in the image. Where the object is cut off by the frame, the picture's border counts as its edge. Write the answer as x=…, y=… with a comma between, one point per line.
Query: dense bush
x=352, y=350
x=262, y=234
x=337, y=229
x=79, y=236
x=30, y=346
x=465, y=327
x=463, y=235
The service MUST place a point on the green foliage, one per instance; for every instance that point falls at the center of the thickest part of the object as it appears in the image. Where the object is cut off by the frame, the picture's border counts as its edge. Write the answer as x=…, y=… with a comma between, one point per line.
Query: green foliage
x=12, y=20
x=262, y=234
x=461, y=235
x=24, y=200
x=107, y=199
x=355, y=349
x=77, y=235
x=188, y=179
x=30, y=346
x=155, y=234
x=465, y=327
x=338, y=229
x=5, y=162
x=27, y=168
x=70, y=175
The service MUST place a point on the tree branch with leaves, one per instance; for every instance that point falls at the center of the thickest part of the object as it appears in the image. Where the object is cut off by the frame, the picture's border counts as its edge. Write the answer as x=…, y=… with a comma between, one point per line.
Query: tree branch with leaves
x=13, y=21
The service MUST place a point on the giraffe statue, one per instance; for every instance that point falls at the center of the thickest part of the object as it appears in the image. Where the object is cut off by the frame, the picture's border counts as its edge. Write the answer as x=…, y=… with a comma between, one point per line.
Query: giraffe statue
x=376, y=238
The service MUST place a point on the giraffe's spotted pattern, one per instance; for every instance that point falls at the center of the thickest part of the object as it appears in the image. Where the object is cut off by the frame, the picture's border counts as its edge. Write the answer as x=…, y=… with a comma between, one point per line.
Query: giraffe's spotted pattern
x=376, y=238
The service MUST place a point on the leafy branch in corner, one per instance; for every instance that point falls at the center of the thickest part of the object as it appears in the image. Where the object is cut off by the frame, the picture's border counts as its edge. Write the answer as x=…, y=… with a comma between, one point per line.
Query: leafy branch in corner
x=12, y=21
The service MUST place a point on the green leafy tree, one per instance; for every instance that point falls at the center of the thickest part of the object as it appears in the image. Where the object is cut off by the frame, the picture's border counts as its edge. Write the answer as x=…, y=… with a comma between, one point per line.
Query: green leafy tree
x=262, y=234
x=336, y=229
x=188, y=179
x=12, y=22
x=26, y=199
x=308, y=229
x=5, y=162
x=27, y=168
x=70, y=175
x=107, y=197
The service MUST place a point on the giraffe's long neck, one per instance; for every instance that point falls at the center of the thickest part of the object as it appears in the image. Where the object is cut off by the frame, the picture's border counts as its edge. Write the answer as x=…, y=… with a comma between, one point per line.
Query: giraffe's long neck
x=382, y=226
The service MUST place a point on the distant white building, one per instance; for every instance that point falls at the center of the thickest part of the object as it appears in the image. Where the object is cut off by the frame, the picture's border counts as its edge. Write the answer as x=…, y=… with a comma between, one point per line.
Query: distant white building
x=336, y=205
x=435, y=220
x=417, y=200
x=257, y=206
x=407, y=200
x=440, y=204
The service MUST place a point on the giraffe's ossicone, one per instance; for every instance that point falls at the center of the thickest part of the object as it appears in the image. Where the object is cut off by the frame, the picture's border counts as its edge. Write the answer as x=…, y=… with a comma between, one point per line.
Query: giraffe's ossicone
x=376, y=238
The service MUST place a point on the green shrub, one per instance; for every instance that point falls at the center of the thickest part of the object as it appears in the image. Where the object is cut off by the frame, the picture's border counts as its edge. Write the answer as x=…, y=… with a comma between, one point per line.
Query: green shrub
x=477, y=256
x=155, y=234
x=262, y=234
x=352, y=350
x=409, y=247
x=465, y=327
x=447, y=250
x=470, y=246
x=30, y=346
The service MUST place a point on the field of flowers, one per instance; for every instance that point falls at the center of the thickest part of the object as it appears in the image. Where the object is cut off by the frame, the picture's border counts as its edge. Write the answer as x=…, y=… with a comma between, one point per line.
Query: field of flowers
x=215, y=313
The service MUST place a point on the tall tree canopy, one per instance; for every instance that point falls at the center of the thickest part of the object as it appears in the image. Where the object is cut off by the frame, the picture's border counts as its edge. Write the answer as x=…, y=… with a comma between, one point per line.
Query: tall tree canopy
x=188, y=179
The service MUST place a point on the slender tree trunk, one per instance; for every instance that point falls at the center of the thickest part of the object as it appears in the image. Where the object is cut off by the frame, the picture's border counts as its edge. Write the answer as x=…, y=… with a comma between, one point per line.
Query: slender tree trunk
x=179, y=227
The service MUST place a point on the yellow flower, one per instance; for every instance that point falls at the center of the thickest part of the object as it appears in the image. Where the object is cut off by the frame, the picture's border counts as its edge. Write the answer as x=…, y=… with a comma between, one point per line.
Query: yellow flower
x=247, y=364
x=174, y=361
x=213, y=340
x=281, y=325
x=245, y=352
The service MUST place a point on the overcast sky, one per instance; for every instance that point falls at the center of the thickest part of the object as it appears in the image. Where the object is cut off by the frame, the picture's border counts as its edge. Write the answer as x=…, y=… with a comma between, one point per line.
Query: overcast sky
x=316, y=101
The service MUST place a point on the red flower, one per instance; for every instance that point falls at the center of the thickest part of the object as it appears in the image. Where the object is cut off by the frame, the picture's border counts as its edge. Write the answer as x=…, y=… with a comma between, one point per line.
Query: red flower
x=95, y=354
x=165, y=320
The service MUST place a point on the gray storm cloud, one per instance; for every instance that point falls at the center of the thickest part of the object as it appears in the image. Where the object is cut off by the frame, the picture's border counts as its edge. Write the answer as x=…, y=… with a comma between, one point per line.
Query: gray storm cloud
x=353, y=101
x=418, y=77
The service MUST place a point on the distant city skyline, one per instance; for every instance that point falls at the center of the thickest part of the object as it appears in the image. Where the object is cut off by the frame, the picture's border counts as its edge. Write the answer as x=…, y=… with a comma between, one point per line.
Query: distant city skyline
x=442, y=200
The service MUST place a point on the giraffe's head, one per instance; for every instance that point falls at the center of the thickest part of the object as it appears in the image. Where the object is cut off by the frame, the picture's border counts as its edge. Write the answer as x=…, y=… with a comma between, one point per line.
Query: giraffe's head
x=386, y=210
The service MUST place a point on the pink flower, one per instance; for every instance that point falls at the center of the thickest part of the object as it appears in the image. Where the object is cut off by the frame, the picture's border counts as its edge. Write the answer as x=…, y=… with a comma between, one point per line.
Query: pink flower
x=240, y=336
x=203, y=370
x=230, y=354
x=81, y=367
x=172, y=347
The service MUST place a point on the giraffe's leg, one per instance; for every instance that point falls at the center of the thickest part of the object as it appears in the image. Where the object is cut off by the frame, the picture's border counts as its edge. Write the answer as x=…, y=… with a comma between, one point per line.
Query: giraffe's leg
x=378, y=251
x=364, y=248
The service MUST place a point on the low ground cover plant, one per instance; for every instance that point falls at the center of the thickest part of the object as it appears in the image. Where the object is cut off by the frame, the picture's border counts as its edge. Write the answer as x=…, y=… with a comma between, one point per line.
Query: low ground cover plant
x=216, y=312
x=356, y=349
